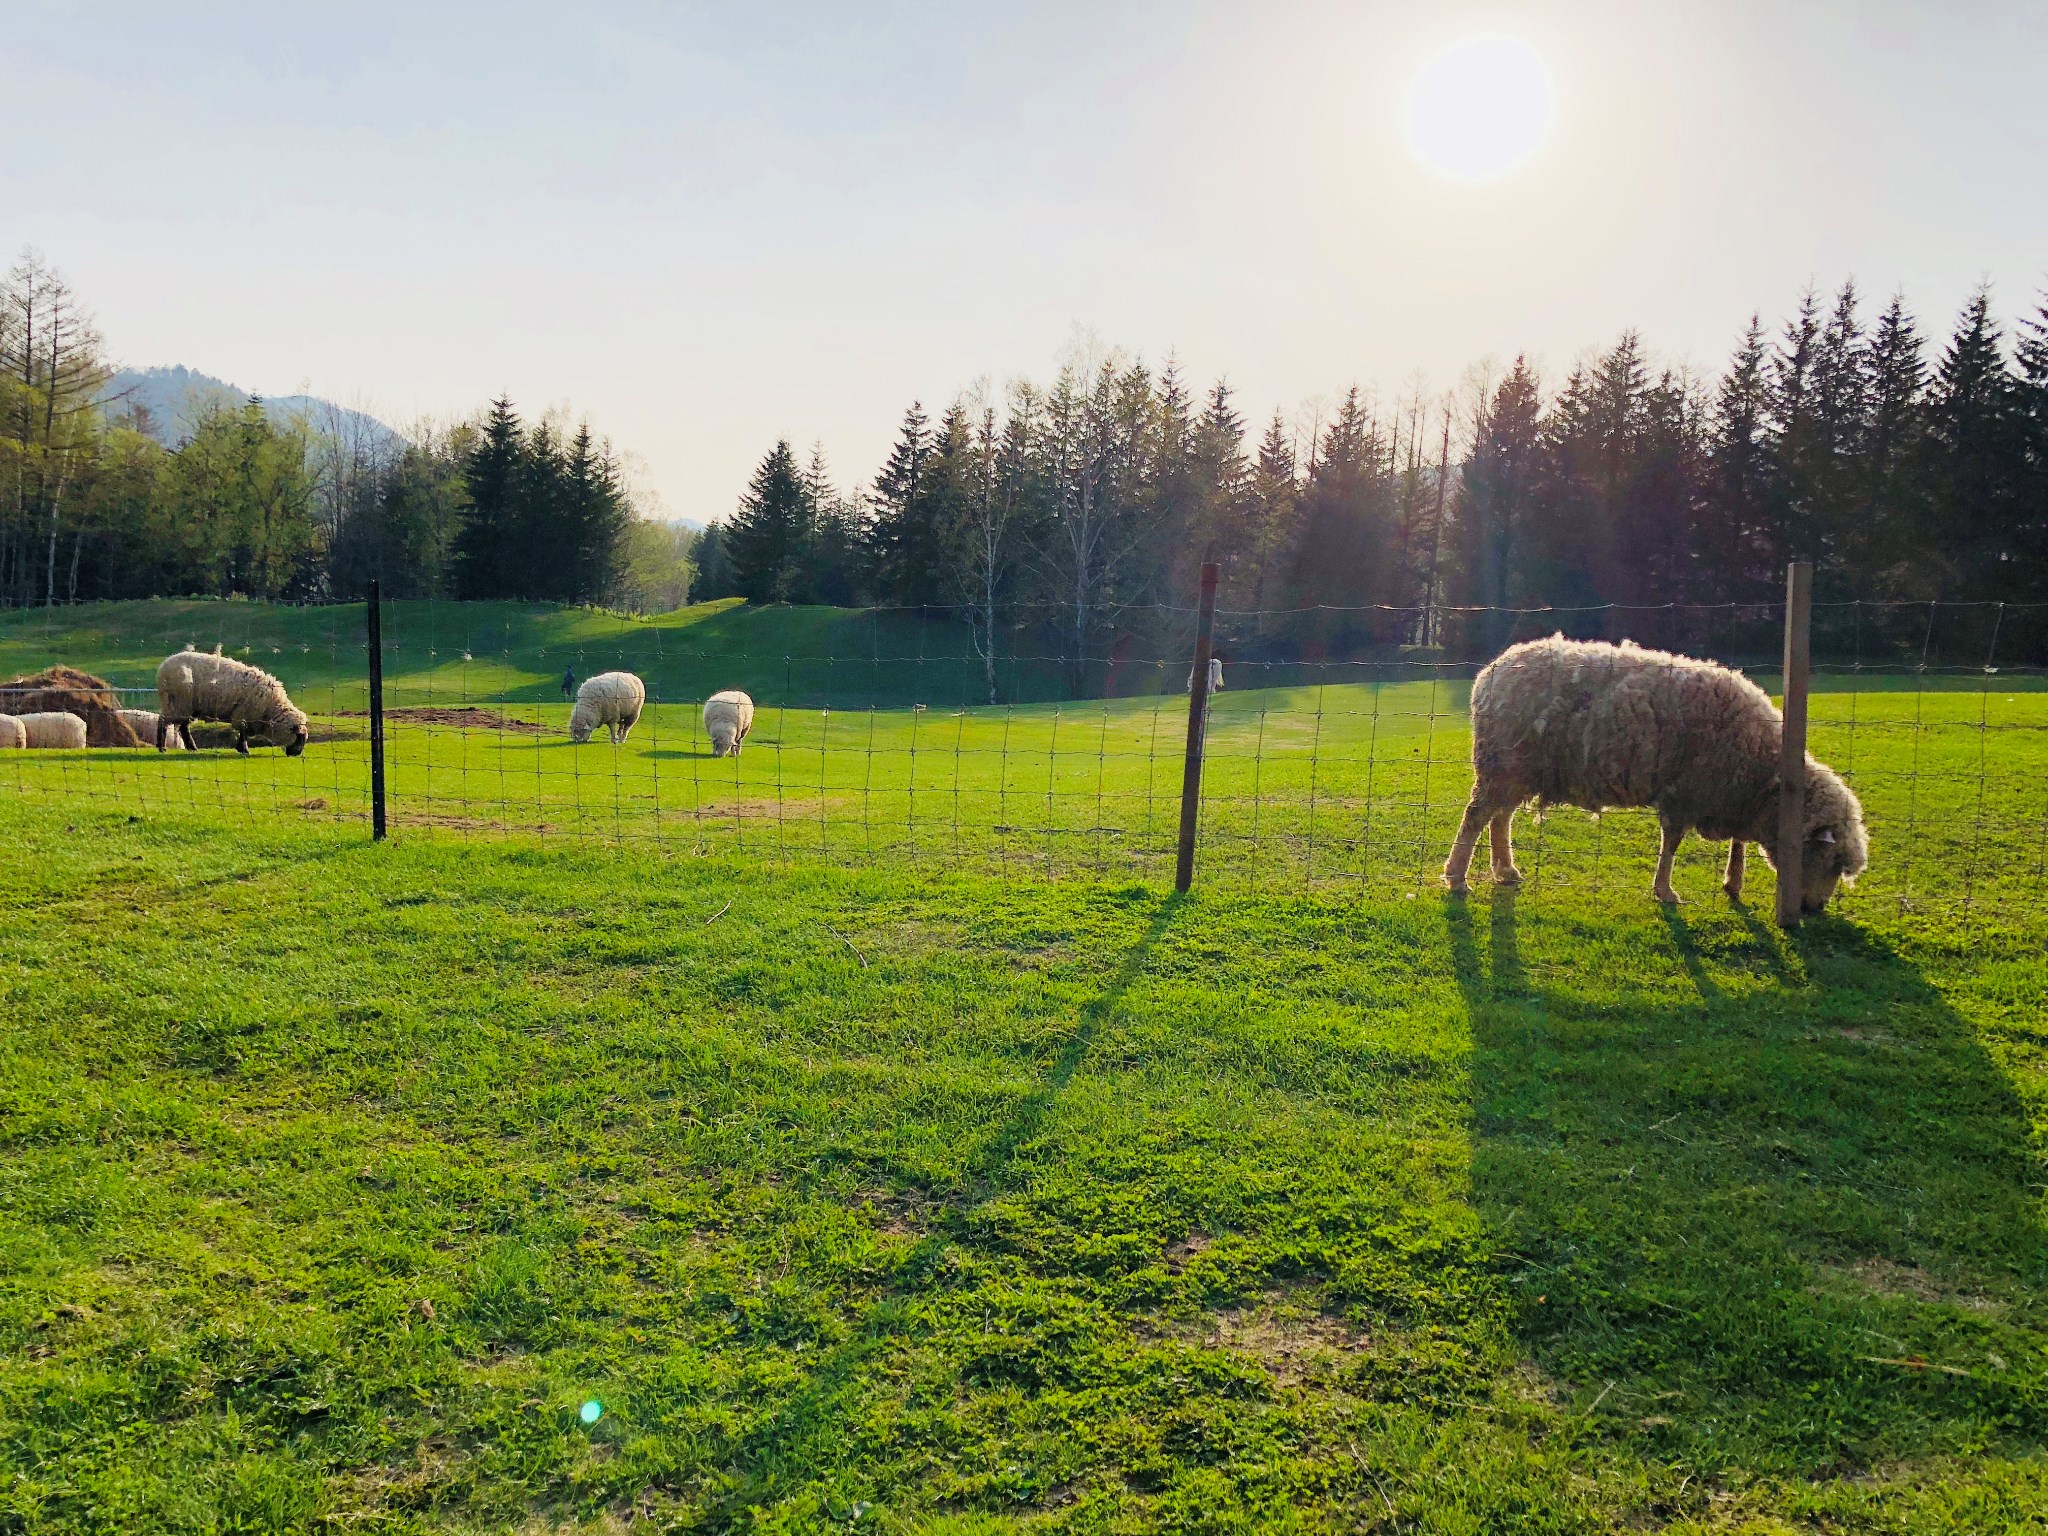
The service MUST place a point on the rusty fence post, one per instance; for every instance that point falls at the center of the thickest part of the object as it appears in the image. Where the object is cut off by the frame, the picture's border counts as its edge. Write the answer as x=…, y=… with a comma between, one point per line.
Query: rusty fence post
x=1792, y=744
x=1198, y=716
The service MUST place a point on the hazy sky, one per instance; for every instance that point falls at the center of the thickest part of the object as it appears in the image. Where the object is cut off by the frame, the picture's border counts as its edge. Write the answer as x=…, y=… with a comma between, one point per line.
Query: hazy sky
x=710, y=226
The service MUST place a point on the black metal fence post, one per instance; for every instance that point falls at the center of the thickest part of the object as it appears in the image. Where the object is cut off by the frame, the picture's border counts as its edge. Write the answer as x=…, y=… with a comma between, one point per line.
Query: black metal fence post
x=1792, y=745
x=374, y=612
x=1198, y=715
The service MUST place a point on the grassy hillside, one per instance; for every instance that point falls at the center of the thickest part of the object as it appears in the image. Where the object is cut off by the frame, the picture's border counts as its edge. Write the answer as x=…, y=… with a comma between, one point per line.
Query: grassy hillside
x=339, y=1179
x=515, y=652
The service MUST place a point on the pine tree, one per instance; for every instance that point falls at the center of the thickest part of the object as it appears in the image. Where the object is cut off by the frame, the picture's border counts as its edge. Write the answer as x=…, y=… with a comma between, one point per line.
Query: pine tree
x=1743, y=476
x=710, y=570
x=594, y=518
x=767, y=537
x=1972, y=442
x=907, y=552
x=1880, y=553
x=1221, y=523
x=1494, y=504
x=1841, y=423
x=1797, y=447
x=1270, y=508
x=491, y=472
x=1347, y=516
x=2028, y=582
x=832, y=567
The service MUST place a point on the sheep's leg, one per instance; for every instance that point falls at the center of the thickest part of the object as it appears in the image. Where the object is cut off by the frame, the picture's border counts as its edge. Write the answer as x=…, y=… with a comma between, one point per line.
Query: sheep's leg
x=1674, y=834
x=241, y=741
x=1477, y=813
x=1732, y=881
x=162, y=725
x=1501, y=844
x=185, y=730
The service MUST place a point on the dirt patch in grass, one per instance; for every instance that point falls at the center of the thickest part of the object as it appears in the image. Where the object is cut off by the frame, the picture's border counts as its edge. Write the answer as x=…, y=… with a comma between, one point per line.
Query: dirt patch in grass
x=1884, y=1277
x=1287, y=1331
x=465, y=717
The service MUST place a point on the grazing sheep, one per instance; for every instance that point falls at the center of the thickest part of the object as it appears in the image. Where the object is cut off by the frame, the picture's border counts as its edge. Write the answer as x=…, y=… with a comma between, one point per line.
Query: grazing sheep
x=73, y=692
x=205, y=685
x=53, y=728
x=143, y=722
x=728, y=716
x=13, y=734
x=1571, y=722
x=610, y=699
x=1215, y=675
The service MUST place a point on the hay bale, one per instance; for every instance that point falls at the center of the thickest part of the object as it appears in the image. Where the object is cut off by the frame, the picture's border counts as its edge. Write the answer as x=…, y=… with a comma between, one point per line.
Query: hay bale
x=69, y=691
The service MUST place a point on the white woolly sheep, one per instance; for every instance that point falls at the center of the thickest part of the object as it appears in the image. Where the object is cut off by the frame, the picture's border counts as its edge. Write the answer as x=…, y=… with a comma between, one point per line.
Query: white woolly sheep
x=1215, y=675
x=205, y=685
x=53, y=728
x=728, y=716
x=1571, y=722
x=143, y=722
x=610, y=699
x=13, y=734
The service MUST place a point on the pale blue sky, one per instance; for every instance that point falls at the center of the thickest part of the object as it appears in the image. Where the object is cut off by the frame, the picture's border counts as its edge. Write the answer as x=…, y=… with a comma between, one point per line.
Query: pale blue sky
x=709, y=226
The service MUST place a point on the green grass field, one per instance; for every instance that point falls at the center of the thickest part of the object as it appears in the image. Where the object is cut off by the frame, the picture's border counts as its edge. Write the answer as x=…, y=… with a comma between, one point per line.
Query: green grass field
x=879, y=1145
x=1356, y=779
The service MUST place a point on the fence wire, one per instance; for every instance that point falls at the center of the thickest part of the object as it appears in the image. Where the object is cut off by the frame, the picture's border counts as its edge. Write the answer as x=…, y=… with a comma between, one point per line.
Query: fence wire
x=1335, y=755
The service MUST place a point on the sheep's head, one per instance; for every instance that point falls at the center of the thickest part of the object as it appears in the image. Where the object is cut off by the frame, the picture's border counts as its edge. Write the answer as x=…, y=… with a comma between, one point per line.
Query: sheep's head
x=722, y=738
x=286, y=728
x=1836, y=848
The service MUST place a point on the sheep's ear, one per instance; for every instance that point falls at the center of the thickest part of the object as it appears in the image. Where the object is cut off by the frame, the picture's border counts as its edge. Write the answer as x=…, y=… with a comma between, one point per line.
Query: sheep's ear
x=1827, y=834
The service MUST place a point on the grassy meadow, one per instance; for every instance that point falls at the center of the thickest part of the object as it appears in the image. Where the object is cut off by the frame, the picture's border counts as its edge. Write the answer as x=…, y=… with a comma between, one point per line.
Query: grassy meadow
x=1357, y=777
x=857, y=1137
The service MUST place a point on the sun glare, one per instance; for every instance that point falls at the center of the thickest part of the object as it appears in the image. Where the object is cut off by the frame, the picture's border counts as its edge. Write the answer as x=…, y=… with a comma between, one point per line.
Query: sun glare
x=1481, y=108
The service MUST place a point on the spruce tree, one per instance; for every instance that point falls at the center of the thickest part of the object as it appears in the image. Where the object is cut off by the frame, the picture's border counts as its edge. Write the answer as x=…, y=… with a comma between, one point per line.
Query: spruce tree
x=1880, y=554
x=1346, y=525
x=1221, y=524
x=491, y=474
x=1743, y=480
x=710, y=570
x=1493, y=509
x=906, y=544
x=2029, y=581
x=766, y=540
x=1270, y=508
x=1972, y=442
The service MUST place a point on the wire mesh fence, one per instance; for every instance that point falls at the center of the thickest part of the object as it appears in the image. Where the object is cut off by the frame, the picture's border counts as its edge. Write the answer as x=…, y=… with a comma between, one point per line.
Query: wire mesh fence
x=1337, y=751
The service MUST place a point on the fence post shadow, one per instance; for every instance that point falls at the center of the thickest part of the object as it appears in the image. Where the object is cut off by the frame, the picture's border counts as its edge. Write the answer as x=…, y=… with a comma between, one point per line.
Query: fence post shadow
x=1809, y=1160
x=809, y=1411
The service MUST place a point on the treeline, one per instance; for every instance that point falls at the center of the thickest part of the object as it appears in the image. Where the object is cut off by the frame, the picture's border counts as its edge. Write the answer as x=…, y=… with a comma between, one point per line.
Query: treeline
x=309, y=508
x=1074, y=505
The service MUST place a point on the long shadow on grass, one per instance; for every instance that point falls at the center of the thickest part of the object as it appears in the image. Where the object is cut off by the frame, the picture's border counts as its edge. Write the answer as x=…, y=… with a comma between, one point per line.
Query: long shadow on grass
x=788, y=1441
x=1788, y=1223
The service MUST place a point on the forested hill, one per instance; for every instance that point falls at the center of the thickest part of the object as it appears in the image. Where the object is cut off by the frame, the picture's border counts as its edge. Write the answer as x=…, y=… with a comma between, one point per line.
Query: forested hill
x=171, y=402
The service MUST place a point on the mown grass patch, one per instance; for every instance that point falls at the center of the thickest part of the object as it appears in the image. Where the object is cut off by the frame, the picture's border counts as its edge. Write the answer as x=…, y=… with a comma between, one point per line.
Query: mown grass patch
x=338, y=1178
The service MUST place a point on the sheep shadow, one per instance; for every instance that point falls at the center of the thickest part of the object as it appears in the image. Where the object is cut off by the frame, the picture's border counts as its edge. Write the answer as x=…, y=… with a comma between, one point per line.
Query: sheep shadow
x=1782, y=1214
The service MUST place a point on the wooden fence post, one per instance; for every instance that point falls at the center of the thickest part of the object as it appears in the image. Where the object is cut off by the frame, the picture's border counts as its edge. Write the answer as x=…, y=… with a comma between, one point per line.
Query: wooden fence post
x=1198, y=715
x=374, y=616
x=1792, y=745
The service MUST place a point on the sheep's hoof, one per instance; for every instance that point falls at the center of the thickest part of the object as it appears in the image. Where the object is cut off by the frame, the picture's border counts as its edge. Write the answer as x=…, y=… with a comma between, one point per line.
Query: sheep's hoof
x=1456, y=887
x=1508, y=876
x=1669, y=898
x=1734, y=890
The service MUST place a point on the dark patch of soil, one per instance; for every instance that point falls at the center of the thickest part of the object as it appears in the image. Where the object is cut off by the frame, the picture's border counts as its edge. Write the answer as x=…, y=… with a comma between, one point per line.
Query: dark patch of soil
x=467, y=717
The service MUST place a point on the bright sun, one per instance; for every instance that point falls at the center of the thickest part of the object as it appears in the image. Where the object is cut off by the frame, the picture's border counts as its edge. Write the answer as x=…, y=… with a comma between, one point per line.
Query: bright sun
x=1481, y=108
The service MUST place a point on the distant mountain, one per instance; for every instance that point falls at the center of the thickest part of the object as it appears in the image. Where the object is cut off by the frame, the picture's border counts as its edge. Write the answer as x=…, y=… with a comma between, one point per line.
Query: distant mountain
x=175, y=400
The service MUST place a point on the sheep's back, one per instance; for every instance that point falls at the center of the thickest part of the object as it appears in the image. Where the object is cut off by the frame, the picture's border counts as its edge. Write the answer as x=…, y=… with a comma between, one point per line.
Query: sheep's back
x=1581, y=723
